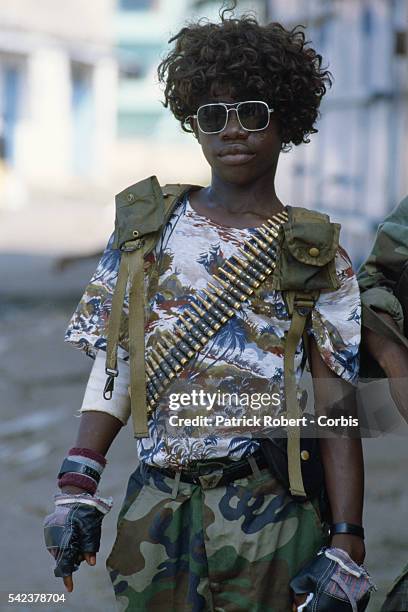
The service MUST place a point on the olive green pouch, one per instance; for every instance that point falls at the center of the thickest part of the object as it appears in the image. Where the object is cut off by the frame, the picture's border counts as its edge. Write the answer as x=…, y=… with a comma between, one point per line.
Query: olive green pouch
x=308, y=248
x=139, y=211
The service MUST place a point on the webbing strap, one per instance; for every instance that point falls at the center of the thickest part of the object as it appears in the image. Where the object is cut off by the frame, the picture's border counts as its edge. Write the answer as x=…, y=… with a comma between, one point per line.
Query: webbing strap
x=135, y=261
x=115, y=319
x=301, y=308
x=131, y=268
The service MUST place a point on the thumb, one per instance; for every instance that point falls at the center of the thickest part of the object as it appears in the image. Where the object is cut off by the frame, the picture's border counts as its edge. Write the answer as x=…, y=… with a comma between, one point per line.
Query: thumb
x=90, y=558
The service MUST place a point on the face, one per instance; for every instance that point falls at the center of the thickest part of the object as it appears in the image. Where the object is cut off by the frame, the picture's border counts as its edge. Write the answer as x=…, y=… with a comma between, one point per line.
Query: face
x=237, y=155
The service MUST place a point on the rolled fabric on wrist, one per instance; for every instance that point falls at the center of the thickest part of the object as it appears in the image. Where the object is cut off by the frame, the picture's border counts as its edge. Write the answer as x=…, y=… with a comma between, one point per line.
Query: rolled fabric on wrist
x=78, y=480
x=89, y=453
x=346, y=528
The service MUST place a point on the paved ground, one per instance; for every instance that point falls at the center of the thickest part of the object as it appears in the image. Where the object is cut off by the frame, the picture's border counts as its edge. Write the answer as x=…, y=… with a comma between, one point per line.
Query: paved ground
x=41, y=385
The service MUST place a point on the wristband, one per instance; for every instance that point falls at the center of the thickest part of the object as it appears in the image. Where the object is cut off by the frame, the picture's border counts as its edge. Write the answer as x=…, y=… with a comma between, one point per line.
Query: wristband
x=82, y=468
x=346, y=528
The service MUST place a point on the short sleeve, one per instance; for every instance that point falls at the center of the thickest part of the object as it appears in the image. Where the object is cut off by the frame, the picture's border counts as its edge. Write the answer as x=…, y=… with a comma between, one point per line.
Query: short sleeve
x=336, y=322
x=87, y=329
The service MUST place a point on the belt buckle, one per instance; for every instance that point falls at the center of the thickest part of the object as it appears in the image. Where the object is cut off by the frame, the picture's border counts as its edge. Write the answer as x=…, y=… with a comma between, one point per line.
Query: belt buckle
x=210, y=481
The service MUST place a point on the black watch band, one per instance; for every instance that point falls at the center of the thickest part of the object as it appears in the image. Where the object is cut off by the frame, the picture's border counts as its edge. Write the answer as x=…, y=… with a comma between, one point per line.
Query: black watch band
x=348, y=528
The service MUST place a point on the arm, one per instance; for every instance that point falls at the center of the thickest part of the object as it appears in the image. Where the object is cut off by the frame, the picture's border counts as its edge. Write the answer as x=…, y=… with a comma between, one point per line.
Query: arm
x=342, y=459
x=101, y=420
x=393, y=358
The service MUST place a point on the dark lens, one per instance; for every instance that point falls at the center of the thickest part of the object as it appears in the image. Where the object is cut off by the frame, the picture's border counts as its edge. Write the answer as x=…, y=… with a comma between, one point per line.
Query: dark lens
x=211, y=117
x=253, y=115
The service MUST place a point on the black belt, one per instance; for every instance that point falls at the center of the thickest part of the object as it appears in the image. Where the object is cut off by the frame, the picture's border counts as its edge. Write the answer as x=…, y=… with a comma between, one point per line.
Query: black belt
x=213, y=473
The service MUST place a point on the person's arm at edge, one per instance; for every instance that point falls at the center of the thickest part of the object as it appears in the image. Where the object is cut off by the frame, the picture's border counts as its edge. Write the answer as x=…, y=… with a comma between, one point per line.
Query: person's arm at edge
x=342, y=460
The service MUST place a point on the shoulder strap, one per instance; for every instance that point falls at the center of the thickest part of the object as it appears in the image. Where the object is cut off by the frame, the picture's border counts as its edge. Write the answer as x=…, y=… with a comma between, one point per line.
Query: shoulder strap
x=158, y=204
x=301, y=306
x=306, y=267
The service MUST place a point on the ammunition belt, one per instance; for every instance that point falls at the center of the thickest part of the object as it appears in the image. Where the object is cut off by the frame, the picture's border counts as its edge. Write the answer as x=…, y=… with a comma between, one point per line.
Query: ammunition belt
x=220, y=304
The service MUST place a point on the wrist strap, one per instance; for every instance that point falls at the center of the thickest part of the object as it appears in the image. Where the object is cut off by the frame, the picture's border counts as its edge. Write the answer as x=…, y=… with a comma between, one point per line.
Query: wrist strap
x=347, y=528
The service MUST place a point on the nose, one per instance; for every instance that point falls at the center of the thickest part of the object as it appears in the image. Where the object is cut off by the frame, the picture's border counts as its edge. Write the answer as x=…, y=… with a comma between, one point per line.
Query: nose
x=233, y=129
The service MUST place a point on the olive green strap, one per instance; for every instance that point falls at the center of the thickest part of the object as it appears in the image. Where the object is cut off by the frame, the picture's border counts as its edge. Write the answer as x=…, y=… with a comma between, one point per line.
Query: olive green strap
x=302, y=306
x=135, y=260
x=114, y=326
x=131, y=268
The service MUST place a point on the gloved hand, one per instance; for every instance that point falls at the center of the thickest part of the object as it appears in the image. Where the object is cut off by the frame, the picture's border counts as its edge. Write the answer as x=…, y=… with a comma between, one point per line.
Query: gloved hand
x=334, y=583
x=74, y=529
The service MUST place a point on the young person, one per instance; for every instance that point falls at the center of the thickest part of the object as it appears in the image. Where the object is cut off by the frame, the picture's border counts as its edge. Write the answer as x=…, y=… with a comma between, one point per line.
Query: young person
x=205, y=523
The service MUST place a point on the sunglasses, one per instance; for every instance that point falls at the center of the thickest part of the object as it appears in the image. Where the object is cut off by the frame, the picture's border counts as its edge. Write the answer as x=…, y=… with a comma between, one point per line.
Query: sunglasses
x=252, y=116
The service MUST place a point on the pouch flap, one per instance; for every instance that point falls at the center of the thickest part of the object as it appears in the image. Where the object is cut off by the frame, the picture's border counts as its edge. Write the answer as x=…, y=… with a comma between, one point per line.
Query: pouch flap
x=310, y=237
x=139, y=211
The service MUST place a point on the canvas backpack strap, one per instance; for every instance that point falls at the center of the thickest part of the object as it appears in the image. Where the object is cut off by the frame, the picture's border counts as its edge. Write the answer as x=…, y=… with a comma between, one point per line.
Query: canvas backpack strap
x=301, y=306
x=141, y=213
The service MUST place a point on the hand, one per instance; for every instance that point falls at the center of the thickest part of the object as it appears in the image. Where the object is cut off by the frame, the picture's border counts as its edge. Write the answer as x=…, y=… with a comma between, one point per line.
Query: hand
x=73, y=531
x=351, y=544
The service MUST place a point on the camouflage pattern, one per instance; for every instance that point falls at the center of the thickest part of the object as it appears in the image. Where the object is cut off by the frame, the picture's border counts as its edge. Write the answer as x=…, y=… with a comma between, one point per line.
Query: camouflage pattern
x=229, y=548
x=380, y=273
x=397, y=597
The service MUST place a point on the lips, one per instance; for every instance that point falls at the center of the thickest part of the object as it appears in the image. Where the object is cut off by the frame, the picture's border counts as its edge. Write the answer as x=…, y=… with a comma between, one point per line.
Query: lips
x=235, y=154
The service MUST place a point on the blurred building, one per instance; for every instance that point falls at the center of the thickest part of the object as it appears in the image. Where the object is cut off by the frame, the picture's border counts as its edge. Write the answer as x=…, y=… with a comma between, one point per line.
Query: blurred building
x=57, y=95
x=356, y=167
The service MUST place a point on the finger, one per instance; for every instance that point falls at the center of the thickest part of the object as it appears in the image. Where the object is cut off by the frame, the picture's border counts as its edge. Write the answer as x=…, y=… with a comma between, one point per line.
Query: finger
x=69, y=584
x=90, y=558
x=299, y=600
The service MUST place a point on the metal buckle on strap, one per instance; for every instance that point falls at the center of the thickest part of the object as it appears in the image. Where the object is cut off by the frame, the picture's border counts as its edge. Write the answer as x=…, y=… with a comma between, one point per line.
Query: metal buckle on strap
x=303, y=306
x=210, y=481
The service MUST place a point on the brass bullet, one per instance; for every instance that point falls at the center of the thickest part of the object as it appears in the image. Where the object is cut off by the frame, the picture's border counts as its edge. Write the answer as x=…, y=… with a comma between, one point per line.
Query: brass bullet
x=189, y=339
x=255, y=261
x=212, y=308
x=199, y=323
x=177, y=354
x=157, y=370
x=181, y=344
x=154, y=379
x=244, y=275
x=266, y=236
x=193, y=330
x=270, y=231
x=250, y=269
x=237, y=281
x=169, y=358
x=260, y=254
x=224, y=296
x=268, y=250
x=230, y=289
x=205, y=314
x=162, y=363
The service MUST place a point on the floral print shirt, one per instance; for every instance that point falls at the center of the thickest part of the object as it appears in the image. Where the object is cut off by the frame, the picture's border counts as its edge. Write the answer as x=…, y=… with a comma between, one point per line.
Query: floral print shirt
x=245, y=357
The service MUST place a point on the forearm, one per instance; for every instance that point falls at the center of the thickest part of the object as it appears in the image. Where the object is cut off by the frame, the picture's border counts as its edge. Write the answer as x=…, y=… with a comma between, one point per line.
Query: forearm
x=97, y=430
x=344, y=476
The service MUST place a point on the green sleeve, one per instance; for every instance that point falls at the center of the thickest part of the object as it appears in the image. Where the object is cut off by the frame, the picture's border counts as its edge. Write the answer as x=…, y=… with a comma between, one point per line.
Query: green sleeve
x=379, y=275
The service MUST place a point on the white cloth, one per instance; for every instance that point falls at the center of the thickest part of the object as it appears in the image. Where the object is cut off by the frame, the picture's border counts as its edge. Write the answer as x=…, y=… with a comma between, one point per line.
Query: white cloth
x=119, y=405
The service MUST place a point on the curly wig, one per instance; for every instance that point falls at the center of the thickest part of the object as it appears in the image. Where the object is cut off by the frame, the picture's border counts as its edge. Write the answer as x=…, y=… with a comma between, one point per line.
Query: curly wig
x=244, y=58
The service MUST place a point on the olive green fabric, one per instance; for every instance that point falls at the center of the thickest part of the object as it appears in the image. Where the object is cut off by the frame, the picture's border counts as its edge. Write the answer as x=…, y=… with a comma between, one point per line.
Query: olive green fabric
x=378, y=278
x=307, y=252
x=141, y=213
x=397, y=596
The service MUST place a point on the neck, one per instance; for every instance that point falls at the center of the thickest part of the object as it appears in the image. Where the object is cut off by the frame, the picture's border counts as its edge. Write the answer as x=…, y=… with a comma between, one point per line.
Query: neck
x=258, y=197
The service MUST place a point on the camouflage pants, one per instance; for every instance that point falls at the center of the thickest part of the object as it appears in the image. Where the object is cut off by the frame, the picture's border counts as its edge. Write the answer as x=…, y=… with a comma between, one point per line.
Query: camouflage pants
x=227, y=548
x=397, y=597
